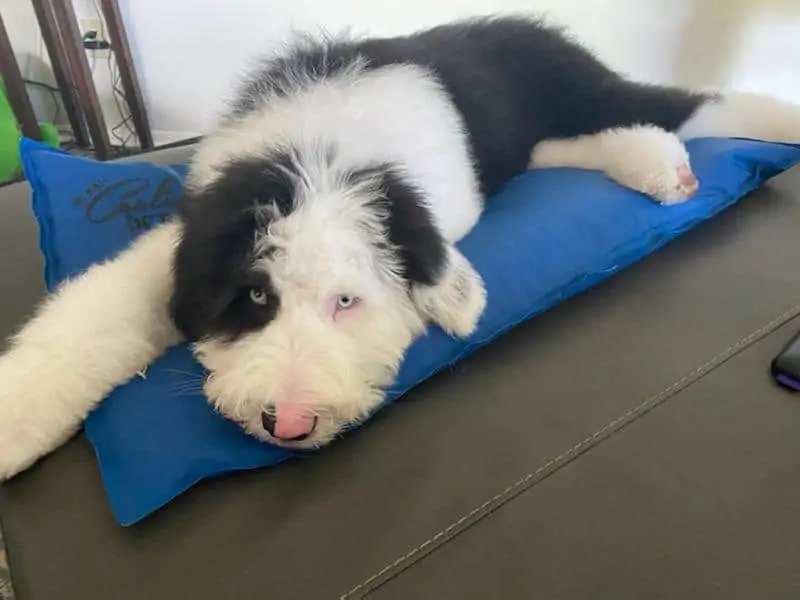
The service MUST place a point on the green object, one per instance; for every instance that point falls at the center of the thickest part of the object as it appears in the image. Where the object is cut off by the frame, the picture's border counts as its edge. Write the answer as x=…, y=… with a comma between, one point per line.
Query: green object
x=10, y=134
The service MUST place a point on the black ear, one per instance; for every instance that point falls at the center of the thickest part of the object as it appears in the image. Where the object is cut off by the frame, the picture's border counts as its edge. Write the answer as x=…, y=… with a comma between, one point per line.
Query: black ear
x=215, y=260
x=214, y=274
x=411, y=227
x=213, y=242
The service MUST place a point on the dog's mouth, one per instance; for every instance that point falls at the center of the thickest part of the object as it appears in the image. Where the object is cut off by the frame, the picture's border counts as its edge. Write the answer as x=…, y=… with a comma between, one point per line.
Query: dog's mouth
x=289, y=424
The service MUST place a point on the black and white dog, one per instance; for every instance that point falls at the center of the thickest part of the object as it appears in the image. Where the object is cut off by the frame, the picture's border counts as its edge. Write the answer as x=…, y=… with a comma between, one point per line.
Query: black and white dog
x=317, y=236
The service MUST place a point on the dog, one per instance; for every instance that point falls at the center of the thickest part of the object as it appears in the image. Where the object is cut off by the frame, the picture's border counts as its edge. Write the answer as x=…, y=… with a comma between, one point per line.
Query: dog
x=317, y=237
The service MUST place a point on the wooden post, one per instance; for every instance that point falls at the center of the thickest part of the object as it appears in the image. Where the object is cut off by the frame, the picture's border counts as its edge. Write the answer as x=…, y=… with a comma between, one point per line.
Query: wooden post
x=127, y=72
x=82, y=77
x=55, y=50
x=15, y=87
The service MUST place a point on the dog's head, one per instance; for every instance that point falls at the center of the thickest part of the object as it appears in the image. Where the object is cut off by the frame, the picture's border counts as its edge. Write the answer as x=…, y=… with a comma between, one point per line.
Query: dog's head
x=295, y=280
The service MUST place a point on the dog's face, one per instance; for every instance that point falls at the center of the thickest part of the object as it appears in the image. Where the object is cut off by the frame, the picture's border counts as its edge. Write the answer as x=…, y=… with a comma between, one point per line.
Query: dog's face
x=292, y=278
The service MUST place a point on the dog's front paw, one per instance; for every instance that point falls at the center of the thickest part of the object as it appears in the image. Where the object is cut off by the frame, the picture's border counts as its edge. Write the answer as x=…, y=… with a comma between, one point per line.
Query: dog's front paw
x=456, y=303
x=651, y=161
x=17, y=451
x=19, y=444
x=32, y=422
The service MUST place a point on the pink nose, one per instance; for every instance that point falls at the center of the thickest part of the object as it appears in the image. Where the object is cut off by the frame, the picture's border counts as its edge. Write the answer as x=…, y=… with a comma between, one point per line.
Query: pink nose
x=289, y=422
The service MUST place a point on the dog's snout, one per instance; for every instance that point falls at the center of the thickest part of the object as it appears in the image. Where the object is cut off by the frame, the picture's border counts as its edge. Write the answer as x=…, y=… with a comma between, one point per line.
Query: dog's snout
x=289, y=424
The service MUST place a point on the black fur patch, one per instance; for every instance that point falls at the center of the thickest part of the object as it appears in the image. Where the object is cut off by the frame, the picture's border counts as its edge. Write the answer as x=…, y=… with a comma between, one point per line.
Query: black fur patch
x=214, y=262
x=410, y=226
x=515, y=81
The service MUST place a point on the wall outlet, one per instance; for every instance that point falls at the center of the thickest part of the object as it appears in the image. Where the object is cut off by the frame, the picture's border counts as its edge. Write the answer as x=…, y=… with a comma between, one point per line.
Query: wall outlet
x=89, y=25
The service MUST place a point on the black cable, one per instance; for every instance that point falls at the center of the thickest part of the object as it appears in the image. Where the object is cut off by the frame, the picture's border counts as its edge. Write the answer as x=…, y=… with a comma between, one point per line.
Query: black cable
x=46, y=86
x=119, y=99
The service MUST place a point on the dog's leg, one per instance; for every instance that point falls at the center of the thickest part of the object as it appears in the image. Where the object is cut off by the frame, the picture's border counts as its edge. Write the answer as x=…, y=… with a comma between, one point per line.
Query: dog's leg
x=641, y=129
x=747, y=115
x=645, y=158
x=93, y=334
x=456, y=302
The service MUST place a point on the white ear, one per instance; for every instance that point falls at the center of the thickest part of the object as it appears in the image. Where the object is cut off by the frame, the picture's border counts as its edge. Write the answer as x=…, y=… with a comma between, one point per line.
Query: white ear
x=456, y=302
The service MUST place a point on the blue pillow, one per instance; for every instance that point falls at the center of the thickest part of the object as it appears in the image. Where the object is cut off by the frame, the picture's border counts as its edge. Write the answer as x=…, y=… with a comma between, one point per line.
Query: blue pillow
x=548, y=235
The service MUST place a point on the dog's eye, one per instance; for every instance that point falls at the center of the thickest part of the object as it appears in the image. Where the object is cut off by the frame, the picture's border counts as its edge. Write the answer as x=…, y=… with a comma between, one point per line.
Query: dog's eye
x=346, y=302
x=258, y=296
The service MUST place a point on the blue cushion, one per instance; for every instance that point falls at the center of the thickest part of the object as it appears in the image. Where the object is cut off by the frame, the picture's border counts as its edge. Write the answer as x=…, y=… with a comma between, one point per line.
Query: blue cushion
x=548, y=235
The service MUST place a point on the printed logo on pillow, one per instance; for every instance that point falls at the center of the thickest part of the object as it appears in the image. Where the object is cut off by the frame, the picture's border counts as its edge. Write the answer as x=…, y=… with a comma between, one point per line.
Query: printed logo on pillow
x=142, y=202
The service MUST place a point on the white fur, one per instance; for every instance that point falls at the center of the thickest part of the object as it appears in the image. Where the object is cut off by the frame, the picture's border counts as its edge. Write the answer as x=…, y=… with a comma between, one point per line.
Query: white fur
x=644, y=158
x=93, y=334
x=398, y=114
x=747, y=115
x=457, y=303
x=647, y=158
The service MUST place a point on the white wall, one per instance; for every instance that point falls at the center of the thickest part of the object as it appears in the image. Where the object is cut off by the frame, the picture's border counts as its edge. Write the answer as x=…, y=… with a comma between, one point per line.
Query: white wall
x=186, y=61
x=186, y=57
x=747, y=44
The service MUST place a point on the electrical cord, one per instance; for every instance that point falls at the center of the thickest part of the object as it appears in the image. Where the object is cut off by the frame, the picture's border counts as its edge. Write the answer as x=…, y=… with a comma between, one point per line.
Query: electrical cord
x=122, y=106
x=118, y=94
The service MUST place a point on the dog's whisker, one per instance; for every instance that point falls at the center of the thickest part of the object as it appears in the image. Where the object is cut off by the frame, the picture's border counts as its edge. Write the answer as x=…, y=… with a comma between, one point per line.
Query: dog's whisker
x=189, y=374
x=187, y=386
x=181, y=393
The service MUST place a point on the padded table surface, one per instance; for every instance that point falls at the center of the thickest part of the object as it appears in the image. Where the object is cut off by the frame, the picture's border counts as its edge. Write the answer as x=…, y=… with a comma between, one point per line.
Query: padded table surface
x=698, y=500
x=522, y=448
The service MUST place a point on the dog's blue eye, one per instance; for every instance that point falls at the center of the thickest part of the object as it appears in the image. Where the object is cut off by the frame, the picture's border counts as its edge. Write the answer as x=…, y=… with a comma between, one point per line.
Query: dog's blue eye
x=346, y=302
x=258, y=296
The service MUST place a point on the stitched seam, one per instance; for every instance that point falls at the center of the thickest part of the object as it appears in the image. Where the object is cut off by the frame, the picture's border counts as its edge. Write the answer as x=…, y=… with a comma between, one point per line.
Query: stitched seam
x=526, y=481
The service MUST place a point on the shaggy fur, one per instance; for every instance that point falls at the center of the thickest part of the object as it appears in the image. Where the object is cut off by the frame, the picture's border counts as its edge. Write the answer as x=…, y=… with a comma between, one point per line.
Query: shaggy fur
x=317, y=238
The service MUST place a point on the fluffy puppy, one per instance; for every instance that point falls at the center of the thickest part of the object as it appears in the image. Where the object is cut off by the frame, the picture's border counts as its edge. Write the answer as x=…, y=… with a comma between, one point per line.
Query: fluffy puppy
x=317, y=237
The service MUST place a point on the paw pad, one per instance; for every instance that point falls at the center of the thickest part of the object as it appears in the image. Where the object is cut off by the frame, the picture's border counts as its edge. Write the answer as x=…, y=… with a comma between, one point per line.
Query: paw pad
x=687, y=182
